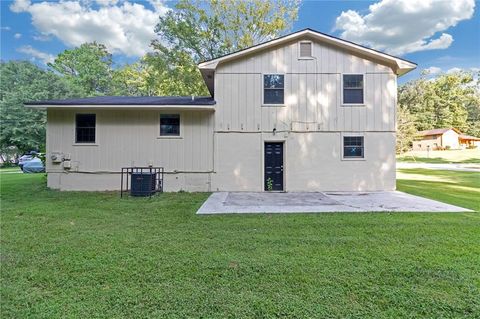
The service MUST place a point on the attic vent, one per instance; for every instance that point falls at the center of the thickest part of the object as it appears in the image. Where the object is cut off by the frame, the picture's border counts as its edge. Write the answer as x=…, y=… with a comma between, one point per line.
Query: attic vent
x=305, y=49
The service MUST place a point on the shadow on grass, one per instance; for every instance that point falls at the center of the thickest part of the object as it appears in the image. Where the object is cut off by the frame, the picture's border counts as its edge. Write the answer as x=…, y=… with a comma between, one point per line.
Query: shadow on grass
x=447, y=191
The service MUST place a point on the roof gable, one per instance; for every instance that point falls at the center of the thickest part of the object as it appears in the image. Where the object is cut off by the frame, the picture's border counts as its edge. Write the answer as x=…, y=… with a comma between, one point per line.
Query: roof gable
x=399, y=66
x=402, y=66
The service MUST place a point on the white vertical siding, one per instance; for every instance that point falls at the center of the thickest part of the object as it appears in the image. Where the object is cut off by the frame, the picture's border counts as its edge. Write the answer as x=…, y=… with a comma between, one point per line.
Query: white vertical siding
x=313, y=93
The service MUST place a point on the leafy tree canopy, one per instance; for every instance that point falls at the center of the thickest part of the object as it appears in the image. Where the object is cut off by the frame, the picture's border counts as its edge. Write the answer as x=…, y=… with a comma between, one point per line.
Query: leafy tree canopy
x=89, y=67
x=450, y=100
x=21, y=82
x=202, y=30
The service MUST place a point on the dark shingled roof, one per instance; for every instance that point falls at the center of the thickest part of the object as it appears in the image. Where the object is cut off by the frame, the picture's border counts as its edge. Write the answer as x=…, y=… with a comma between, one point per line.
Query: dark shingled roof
x=131, y=100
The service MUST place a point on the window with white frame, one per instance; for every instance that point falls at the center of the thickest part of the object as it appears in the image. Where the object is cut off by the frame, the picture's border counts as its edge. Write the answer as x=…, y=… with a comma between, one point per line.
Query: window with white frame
x=353, y=89
x=169, y=124
x=85, y=125
x=273, y=89
x=353, y=147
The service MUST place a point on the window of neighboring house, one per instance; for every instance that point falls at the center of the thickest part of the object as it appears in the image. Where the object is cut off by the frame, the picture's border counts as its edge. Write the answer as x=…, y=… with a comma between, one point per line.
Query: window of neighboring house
x=305, y=49
x=353, y=89
x=353, y=147
x=273, y=89
x=85, y=128
x=169, y=124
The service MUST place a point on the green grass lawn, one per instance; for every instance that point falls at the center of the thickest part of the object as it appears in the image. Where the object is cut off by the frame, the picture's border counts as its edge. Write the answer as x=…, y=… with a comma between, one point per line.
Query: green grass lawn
x=441, y=157
x=453, y=187
x=90, y=255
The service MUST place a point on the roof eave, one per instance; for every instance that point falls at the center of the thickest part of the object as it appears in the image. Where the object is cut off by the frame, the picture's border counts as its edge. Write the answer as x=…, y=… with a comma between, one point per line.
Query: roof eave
x=122, y=106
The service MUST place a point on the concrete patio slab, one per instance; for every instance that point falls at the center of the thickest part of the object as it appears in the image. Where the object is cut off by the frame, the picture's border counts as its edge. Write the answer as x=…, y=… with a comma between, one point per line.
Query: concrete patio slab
x=250, y=202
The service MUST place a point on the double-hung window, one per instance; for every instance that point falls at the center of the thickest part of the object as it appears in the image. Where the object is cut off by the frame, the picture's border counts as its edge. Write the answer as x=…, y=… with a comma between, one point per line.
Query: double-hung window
x=353, y=147
x=169, y=124
x=353, y=89
x=273, y=89
x=85, y=128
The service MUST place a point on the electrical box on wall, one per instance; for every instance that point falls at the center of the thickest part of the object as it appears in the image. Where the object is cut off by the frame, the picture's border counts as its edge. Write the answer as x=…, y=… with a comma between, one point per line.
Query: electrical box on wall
x=56, y=157
x=67, y=165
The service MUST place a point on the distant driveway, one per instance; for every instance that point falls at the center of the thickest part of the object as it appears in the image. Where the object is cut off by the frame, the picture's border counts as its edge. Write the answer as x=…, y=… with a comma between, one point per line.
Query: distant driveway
x=444, y=166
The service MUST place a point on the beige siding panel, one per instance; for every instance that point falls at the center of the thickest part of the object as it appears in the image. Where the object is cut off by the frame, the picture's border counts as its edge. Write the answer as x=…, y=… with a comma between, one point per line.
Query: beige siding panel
x=303, y=153
x=126, y=138
x=307, y=82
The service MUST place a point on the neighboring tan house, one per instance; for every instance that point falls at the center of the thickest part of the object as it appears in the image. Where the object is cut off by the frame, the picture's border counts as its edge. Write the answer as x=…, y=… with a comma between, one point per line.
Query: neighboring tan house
x=437, y=139
x=305, y=112
x=443, y=138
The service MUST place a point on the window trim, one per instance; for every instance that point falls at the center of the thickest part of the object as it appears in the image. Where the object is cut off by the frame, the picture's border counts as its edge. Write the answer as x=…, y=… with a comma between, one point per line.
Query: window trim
x=363, y=90
x=75, y=143
x=353, y=134
x=180, y=116
x=263, y=90
x=311, y=52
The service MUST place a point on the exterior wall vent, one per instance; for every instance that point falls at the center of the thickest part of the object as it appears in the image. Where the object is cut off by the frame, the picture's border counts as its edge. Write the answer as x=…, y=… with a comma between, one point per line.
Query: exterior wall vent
x=306, y=49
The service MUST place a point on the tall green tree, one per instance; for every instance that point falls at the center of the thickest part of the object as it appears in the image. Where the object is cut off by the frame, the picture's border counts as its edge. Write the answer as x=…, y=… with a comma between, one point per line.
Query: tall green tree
x=449, y=100
x=201, y=30
x=89, y=67
x=440, y=102
x=21, y=82
x=406, y=130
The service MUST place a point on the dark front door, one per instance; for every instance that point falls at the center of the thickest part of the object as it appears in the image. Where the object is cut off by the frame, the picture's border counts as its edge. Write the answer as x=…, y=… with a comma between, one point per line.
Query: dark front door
x=273, y=166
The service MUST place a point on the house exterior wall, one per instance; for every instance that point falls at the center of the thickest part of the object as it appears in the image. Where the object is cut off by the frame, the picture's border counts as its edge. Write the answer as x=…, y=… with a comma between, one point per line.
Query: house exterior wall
x=313, y=92
x=430, y=142
x=224, y=150
x=130, y=138
x=312, y=162
x=450, y=139
x=311, y=123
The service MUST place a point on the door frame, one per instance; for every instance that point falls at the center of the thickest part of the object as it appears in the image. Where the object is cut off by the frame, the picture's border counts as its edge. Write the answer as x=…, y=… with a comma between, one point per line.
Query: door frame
x=283, y=142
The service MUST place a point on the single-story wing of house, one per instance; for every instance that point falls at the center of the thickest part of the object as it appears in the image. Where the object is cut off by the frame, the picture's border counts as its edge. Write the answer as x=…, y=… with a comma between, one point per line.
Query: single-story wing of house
x=303, y=112
x=443, y=138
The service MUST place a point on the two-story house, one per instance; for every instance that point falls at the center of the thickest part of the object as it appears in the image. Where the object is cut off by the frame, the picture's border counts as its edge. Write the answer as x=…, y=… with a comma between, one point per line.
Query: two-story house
x=304, y=112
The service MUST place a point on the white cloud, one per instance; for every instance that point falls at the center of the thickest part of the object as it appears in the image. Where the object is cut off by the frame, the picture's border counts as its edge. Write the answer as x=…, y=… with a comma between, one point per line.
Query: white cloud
x=5, y=28
x=106, y=2
x=124, y=27
x=41, y=37
x=17, y=35
x=35, y=54
x=454, y=70
x=404, y=26
x=433, y=70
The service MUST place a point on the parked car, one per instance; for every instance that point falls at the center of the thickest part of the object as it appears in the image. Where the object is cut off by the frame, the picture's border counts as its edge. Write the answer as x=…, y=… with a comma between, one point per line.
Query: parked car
x=27, y=157
x=24, y=159
x=35, y=165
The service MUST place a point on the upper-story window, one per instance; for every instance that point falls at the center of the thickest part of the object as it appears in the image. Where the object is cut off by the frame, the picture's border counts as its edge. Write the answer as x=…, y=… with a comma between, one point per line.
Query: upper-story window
x=353, y=89
x=305, y=50
x=169, y=124
x=85, y=128
x=273, y=89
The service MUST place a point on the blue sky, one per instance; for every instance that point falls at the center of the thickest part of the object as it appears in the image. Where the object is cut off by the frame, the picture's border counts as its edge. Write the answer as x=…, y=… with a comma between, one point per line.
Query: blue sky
x=438, y=35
